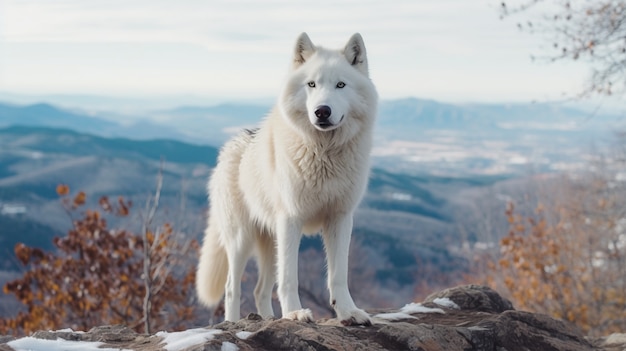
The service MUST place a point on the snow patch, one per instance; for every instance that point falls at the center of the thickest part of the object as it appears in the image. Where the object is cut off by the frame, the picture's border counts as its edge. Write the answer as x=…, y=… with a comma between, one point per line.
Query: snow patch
x=408, y=309
x=66, y=330
x=243, y=335
x=394, y=316
x=419, y=308
x=34, y=344
x=229, y=346
x=446, y=302
x=181, y=340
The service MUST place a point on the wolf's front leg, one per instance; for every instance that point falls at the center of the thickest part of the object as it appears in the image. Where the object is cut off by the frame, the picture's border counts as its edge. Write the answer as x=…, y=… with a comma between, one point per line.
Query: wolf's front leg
x=288, y=234
x=337, y=235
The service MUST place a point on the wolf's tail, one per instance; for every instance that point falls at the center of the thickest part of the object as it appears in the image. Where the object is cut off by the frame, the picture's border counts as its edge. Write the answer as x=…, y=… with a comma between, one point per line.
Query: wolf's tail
x=212, y=269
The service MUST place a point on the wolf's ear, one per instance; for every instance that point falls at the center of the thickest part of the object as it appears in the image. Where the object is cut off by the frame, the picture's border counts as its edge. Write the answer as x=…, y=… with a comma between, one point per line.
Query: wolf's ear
x=303, y=50
x=355, y=53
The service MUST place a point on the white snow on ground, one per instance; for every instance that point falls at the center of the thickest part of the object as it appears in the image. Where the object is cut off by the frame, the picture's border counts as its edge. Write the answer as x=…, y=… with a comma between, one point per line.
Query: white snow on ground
x=243, y=335
x=419, y=308
x=446, y=302
x=180, y=340
x=406, y=311
x=174, y=341
x=229, y=346
x=394, y=316
x=34, y=344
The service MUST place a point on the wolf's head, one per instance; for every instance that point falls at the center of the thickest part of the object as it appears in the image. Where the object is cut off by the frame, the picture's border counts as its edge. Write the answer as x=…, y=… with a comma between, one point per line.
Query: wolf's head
x=329, y=90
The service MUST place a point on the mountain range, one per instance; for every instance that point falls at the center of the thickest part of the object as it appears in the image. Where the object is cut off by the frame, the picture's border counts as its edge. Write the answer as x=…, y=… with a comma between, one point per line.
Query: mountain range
x=412, y=135
x=435, y=166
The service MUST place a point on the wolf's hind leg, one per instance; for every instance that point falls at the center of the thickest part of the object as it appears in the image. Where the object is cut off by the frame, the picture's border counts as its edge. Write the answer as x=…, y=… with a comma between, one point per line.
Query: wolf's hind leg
x=238, y=255
x=266, y=263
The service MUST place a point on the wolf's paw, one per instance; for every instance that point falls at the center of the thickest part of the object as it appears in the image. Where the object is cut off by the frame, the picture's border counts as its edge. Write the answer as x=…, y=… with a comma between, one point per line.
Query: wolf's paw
x=355, y=317
x=303, y=315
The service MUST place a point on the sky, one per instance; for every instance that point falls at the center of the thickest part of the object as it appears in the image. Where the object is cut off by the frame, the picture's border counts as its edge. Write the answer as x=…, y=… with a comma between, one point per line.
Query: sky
x=447, y=50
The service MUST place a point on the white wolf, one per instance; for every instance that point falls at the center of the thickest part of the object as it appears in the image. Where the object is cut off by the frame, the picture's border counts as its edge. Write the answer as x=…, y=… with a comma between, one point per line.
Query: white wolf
x=303, y=171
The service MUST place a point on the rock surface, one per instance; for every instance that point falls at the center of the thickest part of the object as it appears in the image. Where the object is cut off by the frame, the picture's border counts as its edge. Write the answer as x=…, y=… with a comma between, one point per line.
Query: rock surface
x=462, y=318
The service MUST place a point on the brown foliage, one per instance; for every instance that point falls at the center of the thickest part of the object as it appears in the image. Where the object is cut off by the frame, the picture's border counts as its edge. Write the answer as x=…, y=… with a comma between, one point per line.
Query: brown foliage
x=560, y=261
x=95, y=275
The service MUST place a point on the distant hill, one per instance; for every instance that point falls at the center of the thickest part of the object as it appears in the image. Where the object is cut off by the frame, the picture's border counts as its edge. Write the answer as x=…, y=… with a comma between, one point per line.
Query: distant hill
x=34, y=160
x=431, y=114
x=46, y=115
x=70, y=142
x=43, y=114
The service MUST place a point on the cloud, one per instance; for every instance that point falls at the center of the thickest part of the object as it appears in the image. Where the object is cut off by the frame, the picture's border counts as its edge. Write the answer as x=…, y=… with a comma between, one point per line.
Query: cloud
x=430, y=48
x=235, y=22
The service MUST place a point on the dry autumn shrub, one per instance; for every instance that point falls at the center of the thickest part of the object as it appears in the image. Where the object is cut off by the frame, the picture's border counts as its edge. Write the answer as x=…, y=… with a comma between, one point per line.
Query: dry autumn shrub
x=96, y=275
x=568, y=259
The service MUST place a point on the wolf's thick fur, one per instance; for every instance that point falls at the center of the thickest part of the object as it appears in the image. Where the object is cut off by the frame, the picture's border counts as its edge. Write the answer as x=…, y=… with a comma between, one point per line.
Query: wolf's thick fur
x=303, y=171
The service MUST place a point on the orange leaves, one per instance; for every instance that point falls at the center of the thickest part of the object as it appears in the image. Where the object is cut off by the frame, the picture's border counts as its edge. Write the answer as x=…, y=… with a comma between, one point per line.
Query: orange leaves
x=121, y=208
x=556, y=260
x=149, y=237
x=506, y=241
x=22, y=252
x=63, y=190
x=527, y=258
x=79, y=199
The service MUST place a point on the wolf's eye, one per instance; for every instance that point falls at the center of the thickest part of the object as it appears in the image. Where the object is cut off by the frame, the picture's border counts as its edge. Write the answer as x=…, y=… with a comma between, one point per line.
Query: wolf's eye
x=341, y=85
x=311, y=84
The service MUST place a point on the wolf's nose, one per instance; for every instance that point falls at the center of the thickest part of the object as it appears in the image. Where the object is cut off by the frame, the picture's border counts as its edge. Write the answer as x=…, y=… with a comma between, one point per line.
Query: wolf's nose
x=323, y=112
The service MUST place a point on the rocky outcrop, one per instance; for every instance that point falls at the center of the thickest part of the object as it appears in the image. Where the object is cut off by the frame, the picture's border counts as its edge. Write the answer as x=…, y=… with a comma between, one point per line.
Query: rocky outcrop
x=463, y=318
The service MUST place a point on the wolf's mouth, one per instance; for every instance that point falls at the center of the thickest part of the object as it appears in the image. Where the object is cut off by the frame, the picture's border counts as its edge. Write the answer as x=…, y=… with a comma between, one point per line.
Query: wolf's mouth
x=324, y=125
x=327, y=124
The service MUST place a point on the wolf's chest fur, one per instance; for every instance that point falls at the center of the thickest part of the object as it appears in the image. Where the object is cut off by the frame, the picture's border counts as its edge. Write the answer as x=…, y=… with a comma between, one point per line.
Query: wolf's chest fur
x=317, y=165
x=326, y=176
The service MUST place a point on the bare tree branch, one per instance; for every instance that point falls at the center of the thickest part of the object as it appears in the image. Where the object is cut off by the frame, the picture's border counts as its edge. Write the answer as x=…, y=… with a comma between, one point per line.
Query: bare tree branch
x=589, y=30
x=151, y=207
